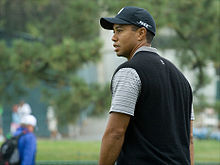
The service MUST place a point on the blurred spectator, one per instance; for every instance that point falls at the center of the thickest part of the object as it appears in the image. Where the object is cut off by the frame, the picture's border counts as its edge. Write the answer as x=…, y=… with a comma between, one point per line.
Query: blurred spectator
x=27, y=145
x=215, y=135
x=15, y=119
x=201, y=133
x=206, y=133
x=24, y=109
x=52, y=122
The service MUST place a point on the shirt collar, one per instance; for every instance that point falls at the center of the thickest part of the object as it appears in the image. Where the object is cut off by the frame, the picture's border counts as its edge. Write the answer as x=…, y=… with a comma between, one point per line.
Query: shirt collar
x=146, y=48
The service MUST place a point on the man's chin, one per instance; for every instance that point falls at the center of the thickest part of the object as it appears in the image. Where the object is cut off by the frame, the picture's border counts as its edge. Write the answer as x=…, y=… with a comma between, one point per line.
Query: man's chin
x=119, y=54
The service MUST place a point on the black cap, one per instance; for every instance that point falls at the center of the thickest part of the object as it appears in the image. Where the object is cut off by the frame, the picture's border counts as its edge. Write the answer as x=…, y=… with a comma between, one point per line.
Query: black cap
x=130, y=15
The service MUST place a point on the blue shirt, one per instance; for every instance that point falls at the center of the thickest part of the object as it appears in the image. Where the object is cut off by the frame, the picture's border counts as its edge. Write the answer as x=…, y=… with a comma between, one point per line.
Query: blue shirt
x=27, y=146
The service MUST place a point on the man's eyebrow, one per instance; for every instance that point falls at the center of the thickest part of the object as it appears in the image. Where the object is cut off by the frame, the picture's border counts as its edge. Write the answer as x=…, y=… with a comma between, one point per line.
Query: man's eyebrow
x=118, y=26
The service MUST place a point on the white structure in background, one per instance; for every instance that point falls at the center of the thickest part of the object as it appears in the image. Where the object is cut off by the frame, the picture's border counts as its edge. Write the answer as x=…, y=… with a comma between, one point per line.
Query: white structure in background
x=92, y=128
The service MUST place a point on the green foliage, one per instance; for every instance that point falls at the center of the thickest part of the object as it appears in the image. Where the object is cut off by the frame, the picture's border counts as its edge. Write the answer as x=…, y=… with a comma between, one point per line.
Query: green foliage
x=4, y=56
x=196, y=26
x=74, y=19
x=11, y=82
x=64, y=37
x=101, y=97
x=94, y=99
x=112, y=6
x=197, y=40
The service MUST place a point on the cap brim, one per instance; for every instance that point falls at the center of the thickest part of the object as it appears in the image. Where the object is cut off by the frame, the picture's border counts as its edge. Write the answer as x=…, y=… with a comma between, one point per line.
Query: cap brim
x=107, y=23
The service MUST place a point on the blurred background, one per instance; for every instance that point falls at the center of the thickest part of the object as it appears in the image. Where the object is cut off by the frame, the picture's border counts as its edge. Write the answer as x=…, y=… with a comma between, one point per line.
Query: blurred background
x=56, y=62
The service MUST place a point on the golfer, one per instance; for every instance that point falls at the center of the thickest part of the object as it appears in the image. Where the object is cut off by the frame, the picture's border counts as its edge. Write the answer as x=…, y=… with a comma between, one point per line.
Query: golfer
x=150, y=119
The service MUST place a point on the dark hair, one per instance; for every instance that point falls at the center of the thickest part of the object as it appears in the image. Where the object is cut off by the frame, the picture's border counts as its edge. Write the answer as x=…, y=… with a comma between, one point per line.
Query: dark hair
x=149, y=35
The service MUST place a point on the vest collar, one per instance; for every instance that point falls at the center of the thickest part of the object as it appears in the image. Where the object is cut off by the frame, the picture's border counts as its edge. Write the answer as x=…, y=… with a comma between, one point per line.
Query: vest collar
x=146, y=48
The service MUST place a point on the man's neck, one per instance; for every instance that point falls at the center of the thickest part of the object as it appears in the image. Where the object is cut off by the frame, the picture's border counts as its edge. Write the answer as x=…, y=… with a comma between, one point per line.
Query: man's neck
x=137, y=47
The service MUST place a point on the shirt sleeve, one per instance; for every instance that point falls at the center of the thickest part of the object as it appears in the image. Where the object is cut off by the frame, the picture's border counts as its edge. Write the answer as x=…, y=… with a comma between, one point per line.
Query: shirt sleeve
x=126, y=86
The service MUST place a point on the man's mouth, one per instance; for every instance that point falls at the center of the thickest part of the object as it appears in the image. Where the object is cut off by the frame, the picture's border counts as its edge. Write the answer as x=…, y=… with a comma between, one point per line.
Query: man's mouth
x=116, y=47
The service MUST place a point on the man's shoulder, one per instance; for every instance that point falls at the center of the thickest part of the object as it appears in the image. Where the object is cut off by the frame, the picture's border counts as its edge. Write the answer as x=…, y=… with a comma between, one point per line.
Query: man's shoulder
x=27, y=135
x=127, y=64
x=28, y=138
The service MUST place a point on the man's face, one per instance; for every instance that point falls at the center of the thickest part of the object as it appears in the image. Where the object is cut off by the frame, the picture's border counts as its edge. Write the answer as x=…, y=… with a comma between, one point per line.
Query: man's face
x=125, y=40
x=30, y=128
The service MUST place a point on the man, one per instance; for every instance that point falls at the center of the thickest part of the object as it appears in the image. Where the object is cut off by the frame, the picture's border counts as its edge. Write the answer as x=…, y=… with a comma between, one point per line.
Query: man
x=27, y=142
x=52, y=122
x=150, y=115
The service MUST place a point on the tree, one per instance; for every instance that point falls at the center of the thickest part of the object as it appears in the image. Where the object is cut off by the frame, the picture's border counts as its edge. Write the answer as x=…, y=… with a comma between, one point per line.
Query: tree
x=64, y=36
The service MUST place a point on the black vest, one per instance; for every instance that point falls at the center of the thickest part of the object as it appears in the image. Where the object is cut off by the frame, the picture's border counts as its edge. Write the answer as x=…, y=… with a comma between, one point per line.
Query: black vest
x=159, y=131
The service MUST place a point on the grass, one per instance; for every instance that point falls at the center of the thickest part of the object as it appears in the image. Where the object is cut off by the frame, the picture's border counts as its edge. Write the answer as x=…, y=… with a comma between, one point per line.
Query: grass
x=205, y=150
x=67, y=150
x=70, y=150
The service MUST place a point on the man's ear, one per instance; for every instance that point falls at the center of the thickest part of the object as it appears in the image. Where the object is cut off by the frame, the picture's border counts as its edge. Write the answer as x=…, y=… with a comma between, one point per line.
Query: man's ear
x=142, y=32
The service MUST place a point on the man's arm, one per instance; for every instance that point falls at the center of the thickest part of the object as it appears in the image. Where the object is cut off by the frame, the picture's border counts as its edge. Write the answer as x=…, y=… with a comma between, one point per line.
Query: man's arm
x=113, y=138
x=191, y=143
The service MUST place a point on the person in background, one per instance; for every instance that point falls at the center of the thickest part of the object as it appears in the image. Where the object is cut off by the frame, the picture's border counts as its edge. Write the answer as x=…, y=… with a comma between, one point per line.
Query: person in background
x=24, y=109
x=27, y=144
x=150, y=120
x=15, y=119
x=52, y=122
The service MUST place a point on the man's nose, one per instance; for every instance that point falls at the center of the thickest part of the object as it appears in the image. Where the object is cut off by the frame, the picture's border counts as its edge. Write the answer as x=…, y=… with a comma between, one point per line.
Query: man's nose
x=114, y=38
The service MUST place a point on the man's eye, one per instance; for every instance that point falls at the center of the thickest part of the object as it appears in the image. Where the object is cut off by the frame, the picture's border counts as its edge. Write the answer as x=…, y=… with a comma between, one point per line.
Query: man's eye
x=119, y=30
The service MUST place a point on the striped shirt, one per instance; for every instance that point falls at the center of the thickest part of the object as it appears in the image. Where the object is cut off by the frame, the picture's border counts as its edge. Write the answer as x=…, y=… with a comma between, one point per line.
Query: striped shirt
x=126, y=87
